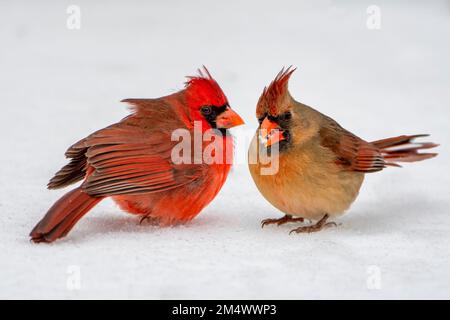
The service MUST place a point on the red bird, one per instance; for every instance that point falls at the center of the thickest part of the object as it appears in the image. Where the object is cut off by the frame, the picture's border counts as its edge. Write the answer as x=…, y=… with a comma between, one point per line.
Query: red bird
x=131, y=161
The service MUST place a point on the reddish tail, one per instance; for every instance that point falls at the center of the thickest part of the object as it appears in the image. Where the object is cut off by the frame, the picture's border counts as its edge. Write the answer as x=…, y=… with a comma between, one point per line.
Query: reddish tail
x=403, y=149
x=63, y=215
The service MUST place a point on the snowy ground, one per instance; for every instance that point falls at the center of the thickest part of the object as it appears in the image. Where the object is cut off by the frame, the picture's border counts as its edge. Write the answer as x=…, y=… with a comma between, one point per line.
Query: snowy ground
x=58, y=85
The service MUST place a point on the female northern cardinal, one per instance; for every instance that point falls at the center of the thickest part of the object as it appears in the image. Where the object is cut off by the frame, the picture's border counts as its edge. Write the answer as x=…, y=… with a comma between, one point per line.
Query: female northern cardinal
x=132, y=162
x=321, y=165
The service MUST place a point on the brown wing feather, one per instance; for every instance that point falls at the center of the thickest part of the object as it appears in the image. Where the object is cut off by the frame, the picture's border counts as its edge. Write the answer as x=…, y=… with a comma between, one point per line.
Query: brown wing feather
x=129, y=157
x=352, y=153
x=72, y=172
x=132, y=162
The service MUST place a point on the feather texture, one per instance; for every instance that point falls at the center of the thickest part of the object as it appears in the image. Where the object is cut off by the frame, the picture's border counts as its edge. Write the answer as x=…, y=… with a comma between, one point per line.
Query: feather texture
x=321, y=166
x=131, y=161
x=352, y=152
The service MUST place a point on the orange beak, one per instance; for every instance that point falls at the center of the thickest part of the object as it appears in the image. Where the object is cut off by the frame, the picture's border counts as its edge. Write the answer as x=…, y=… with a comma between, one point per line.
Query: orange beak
x=228, y=119
x=270, y=133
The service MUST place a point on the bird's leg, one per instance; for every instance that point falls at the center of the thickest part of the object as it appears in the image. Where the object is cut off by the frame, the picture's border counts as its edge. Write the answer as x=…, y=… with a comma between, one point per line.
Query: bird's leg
x=321, y=224
x=152, y=220
x=287, y=218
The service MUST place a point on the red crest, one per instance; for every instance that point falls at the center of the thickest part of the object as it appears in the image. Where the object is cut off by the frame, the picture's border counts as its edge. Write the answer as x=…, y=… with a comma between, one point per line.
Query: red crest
x=204, y=90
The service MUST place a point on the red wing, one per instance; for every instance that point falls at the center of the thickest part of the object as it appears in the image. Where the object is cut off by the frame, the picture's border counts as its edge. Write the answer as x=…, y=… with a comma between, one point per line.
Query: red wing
x=128, y=160
x=351, y=152
x=132, y=156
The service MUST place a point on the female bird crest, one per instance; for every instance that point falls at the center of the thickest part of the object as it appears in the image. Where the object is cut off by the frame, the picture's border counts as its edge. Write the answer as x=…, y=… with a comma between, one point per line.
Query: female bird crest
x=273, y=96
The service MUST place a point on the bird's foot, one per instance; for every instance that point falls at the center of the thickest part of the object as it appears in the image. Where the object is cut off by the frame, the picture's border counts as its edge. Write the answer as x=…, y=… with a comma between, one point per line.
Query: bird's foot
x=152, y=220
x=321, y=224
x=287, y=218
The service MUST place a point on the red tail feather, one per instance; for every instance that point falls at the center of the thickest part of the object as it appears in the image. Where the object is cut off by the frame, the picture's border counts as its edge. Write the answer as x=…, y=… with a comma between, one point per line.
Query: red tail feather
x=63, y=215
x=403, y=149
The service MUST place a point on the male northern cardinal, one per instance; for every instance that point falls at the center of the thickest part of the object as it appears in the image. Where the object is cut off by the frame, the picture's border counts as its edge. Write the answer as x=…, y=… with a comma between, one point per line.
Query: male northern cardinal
x=132, y=161
x=321, y=165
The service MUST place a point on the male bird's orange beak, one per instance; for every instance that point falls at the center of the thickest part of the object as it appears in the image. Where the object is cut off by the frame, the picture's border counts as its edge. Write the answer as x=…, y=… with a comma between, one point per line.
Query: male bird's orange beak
x=270, y=133
x=228, y=119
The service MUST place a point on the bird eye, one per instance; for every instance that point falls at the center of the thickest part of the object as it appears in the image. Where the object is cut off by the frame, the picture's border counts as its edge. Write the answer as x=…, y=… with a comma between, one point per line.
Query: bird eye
x=206, y=110
x=286, y=116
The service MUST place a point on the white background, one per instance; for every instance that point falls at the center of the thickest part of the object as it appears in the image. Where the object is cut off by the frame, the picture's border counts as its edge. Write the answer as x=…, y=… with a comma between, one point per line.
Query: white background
x=58, y=85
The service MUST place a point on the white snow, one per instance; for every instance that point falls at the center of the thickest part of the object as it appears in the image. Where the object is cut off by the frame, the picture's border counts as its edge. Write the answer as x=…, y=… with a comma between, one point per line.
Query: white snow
x=58, y=85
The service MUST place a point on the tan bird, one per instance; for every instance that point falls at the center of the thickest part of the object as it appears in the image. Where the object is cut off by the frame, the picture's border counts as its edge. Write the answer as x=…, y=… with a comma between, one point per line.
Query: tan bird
x=316, y=166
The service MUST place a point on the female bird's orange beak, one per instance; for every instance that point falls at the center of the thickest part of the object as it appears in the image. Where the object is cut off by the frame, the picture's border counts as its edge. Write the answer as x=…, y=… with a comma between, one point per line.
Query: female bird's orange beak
x=270, y=133
x=228, y=119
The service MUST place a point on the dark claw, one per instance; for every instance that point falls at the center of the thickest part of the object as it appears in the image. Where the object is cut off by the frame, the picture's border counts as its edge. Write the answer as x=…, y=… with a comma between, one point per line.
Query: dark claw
x=321, y=224
x=280, y=221
x=143, y=219
x=269, y=221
